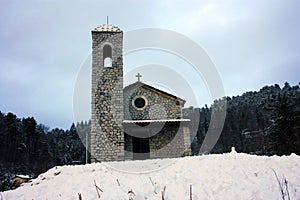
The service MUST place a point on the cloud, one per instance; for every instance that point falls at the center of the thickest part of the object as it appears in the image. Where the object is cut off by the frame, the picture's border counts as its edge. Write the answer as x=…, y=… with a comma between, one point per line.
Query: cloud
x=248, y=41
x=43, y=44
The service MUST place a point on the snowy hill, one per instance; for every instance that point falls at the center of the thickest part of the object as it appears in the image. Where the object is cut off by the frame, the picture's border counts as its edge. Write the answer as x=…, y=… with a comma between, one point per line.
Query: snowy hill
x=227, y=176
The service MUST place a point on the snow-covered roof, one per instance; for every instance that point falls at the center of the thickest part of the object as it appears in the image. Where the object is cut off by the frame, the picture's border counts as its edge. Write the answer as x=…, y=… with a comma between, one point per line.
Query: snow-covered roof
x=155, y=120
x=23, y=176
x=149, y=87
x=107, y=28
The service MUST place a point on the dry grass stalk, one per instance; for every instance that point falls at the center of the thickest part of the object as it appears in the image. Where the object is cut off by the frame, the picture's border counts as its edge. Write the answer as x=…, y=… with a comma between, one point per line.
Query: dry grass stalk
x=163, y=193
x=151, y=181
x=79, y=196
x=283, y=185
x=98, y=189
x=131, y=194
x=191, y=192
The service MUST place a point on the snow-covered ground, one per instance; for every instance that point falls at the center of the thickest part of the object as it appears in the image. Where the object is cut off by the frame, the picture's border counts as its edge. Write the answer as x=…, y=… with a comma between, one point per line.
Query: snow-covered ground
x=227, y=176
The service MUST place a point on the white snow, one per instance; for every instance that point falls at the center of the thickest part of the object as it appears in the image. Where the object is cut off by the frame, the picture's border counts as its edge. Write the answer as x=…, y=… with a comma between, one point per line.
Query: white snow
x=227, y=176
x=23, y=176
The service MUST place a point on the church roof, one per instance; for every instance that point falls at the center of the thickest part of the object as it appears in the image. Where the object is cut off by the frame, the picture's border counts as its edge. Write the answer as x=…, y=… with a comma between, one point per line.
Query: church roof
x=153, y=89
x=107, y=28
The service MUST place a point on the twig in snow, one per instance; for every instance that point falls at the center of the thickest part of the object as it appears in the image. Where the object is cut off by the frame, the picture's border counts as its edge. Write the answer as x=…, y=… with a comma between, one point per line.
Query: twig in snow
x=280, y=186
x=163, y=193
x=118, y=182
x=98, y=189
x=79, y=196
x=286, y=188
x=151, y=181
x=153, y=184
x=56, y=173
x=283, y=185
x=191, y=193
x=131, y=194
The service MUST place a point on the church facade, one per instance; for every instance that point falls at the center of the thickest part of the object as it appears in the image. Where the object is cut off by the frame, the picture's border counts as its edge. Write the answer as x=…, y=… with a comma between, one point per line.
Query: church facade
x=135, y=122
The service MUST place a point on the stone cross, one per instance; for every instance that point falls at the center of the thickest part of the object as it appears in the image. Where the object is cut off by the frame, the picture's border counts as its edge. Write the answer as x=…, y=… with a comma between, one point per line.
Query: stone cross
x=138, y=76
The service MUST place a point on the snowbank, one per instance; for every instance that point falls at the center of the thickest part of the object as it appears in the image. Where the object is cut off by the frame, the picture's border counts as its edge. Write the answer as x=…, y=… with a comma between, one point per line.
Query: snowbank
x=227, y=176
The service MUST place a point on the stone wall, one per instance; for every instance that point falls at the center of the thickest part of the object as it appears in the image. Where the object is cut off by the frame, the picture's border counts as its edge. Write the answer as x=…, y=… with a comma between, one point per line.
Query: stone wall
x=157, y=106
x=107, y=138
x=170, y=141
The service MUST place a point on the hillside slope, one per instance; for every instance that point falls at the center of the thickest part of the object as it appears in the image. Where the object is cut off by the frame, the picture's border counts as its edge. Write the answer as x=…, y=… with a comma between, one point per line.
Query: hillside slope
x=227, y=176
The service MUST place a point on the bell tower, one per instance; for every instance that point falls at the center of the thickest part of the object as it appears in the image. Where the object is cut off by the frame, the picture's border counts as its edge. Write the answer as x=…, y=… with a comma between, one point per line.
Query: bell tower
x=107, y=137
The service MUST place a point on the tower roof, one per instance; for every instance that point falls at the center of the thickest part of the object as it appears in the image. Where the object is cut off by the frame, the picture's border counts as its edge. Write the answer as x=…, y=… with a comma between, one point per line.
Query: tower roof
x=107, y=28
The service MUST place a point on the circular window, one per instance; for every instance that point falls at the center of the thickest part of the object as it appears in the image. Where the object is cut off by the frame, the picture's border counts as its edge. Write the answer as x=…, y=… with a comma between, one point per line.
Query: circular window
x=139, y=102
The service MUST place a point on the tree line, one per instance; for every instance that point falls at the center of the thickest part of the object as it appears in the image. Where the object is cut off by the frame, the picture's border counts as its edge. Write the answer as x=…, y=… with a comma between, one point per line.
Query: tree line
x=30, y=148
x=264, y=122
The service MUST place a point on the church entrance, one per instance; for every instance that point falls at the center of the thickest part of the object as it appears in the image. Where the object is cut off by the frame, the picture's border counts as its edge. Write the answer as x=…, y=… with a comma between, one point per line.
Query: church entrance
x=140, y=148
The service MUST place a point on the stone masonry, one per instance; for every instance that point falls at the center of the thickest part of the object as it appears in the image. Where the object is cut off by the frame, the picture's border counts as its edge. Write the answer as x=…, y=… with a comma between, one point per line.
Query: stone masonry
x=117, y=126
x=107, y=138
x=168, y=135
x=171, y=141
x=159, y=105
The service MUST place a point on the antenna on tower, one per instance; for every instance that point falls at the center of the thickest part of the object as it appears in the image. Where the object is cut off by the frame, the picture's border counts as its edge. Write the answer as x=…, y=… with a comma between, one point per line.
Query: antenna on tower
x=106, y=19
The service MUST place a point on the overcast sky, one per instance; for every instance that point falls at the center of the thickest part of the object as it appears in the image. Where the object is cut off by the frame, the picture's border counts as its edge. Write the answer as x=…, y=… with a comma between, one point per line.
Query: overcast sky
x=44, y=43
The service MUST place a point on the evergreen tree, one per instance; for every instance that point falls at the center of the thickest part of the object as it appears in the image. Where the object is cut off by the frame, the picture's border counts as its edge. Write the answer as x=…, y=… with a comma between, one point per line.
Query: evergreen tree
x=283, y=128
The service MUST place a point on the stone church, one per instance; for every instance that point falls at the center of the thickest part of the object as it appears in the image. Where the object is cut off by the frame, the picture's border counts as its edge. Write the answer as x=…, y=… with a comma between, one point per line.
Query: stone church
x=135, y=122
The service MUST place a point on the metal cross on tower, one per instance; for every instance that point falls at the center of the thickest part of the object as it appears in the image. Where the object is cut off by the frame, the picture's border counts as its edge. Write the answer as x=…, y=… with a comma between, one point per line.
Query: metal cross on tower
x=138, y=76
